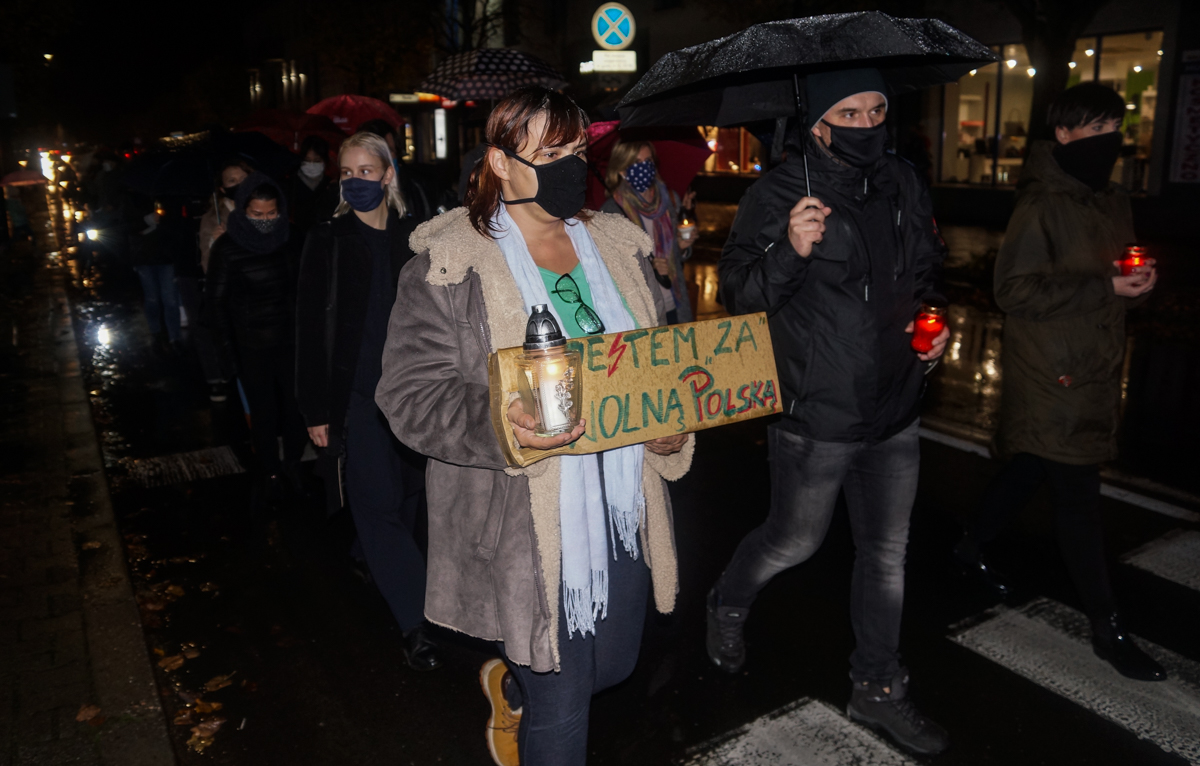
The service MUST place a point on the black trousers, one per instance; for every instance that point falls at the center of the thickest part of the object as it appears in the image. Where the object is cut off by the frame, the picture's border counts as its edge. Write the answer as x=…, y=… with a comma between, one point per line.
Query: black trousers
x=384, y=494
x=269, y=379
x=1076, y=494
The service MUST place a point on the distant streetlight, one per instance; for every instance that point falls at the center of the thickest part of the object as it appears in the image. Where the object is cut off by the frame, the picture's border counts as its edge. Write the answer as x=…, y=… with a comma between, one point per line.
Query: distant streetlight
x=1031, y=71
x=1089, y=52
x=48, y=56
x=1011, y=63
x=1072, y=65
x=1137, y=68
x=973, y=71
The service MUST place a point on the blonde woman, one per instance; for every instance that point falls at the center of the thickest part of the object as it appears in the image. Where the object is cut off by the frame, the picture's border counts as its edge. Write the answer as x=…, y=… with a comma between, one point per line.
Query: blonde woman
x=638, y=193
x=347, y=286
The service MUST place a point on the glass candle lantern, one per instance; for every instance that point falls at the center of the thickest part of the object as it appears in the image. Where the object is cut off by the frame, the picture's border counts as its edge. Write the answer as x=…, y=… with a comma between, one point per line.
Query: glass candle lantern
x=1135, y=255
x=930, y=322
x=551, y=386
x=687, y=231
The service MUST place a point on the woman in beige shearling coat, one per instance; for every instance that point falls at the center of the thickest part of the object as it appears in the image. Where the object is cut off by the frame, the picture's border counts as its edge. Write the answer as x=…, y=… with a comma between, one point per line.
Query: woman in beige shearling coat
x=496, y=548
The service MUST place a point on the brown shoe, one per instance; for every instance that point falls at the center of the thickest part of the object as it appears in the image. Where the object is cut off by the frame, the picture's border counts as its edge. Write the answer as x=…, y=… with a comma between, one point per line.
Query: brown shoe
x=502, y=724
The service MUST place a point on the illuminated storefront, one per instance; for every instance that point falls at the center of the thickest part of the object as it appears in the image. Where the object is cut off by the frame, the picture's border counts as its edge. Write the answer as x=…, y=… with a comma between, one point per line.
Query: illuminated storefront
x=984, y=117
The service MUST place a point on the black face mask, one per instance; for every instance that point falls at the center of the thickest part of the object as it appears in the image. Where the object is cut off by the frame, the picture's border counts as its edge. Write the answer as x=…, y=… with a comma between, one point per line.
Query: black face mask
x=1091, y=159
x=230, y=191
x=860, y=147
x=562, y=185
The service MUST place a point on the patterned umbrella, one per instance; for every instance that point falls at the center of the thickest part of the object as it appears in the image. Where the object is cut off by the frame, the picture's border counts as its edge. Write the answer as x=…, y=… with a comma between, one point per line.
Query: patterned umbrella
x=489, y=73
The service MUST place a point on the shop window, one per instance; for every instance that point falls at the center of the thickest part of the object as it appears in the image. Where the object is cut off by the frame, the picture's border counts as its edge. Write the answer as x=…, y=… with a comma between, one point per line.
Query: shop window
x=1129, y=65
x=735, y=150
x=985, y=115
x=970, y=107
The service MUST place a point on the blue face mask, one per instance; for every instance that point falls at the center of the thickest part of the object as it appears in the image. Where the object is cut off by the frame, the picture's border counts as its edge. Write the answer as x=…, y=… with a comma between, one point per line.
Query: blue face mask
x=363, y=194
x=640, y=175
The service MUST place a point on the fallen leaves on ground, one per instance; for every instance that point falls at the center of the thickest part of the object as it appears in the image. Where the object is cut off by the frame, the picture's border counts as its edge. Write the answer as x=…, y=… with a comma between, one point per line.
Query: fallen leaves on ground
x=203, y=706
x=208, y=587
x=174, y=662
x=203, y=733
x=87, y=713
x=91, y=545
x=219, y=682
x=183, y=717
x=191, y=652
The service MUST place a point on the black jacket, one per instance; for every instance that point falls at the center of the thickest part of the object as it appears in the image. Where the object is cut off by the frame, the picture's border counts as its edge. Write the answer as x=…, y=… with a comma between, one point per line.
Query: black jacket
x=837, y=318
x=250, y=298
x=324, y=376
x=310, y=207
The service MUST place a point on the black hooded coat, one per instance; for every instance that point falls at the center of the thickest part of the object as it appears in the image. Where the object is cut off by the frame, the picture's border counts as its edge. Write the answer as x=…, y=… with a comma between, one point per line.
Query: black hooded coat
x=250, y=289
x=837, y=318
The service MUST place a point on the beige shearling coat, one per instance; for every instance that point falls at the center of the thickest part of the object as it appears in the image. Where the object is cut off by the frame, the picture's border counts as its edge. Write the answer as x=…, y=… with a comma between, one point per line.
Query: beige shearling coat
x=494, y=564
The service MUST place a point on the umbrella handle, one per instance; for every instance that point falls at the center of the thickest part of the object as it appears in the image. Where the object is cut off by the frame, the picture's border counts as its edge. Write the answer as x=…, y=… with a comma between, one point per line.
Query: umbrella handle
x=217, y=207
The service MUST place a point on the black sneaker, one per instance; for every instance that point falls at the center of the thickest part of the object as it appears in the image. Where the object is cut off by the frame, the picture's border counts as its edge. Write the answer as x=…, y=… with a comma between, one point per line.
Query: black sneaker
x=726, y=645
x=1112, y=644
x=887, y=709
x=218, y=392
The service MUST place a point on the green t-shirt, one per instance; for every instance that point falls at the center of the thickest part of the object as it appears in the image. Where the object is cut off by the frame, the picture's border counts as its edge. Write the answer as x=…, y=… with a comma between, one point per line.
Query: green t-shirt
x=566, y=310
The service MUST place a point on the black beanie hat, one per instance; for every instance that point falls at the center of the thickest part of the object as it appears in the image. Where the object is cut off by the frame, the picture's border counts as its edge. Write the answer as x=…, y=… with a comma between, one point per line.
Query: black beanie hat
x=825, y=89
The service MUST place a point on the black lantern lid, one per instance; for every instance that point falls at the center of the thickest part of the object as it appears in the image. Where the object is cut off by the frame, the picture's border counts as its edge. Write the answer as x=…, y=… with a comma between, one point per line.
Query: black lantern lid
x=542, y=331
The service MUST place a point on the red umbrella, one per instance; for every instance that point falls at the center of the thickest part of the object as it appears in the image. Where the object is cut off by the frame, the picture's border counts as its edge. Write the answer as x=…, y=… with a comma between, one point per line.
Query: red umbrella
x=289, y=129
x=24, y=178
x=681, y=155
x=348, y=112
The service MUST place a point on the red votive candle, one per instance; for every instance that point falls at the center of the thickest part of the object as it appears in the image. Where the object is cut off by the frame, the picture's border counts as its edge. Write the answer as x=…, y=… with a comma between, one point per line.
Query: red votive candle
x=1135, y=255
x=930, y=322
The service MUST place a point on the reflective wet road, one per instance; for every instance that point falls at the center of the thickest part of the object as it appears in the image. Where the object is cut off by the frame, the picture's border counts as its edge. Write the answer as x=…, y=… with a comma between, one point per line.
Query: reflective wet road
x=270, y=650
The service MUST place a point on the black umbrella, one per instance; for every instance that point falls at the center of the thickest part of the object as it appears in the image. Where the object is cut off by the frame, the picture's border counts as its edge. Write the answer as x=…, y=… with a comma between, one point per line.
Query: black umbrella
x=489, y=73
x=190, y=171
x=754, y=74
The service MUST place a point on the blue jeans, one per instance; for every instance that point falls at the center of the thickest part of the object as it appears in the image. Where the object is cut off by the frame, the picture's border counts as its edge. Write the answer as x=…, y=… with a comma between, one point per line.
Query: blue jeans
x=160, y=298
x=554, y=720
x=880, y=482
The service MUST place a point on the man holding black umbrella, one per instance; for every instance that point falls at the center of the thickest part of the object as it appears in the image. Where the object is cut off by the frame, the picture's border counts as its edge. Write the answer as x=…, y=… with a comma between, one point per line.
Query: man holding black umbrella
x=838, y=245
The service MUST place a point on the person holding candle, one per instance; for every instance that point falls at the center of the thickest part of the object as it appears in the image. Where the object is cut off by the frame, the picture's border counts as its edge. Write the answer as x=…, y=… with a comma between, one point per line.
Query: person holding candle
x=555, y=561
x=839, y=247
x=347, y=287
x=639, y=193
x=1064, y=290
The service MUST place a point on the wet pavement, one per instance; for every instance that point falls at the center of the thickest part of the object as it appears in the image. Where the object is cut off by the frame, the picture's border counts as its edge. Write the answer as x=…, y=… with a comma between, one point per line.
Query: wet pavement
x=270, y=650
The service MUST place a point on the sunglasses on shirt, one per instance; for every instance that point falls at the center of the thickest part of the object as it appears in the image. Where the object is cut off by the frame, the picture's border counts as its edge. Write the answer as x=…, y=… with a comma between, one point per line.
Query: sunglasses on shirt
x=585, y=317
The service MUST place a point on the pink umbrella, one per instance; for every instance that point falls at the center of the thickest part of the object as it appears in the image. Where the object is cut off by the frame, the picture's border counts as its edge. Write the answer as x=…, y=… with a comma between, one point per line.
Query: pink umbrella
x=681, y=155
x=348, y=112
x=24, y=178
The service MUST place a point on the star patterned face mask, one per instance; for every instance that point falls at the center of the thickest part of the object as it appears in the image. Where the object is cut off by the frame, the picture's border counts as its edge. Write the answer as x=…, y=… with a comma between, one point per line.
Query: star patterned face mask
x=641, y=175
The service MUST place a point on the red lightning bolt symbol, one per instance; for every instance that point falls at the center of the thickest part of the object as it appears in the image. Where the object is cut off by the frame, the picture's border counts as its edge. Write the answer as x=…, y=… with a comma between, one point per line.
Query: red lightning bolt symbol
x=619, y=350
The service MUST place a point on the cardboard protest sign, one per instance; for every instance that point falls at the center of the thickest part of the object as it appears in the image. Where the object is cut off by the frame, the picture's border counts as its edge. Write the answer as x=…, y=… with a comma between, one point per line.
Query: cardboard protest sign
x=645, y=384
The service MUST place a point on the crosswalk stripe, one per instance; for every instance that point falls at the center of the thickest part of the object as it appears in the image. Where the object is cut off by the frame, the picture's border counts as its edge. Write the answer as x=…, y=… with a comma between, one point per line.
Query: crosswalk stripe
x=805, y=733
x=1049, y=644
x=1174, y=556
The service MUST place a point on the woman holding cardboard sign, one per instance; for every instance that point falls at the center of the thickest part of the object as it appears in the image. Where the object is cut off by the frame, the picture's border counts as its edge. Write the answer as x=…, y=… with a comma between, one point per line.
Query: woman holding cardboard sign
x=554, y=561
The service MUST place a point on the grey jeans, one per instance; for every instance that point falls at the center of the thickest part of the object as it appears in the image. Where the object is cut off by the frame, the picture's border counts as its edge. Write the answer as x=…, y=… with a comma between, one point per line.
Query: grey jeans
x=880, y=482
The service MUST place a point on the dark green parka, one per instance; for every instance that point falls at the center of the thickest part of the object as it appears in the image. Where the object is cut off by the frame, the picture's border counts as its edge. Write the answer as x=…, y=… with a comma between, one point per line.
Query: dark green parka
x=1064, y=329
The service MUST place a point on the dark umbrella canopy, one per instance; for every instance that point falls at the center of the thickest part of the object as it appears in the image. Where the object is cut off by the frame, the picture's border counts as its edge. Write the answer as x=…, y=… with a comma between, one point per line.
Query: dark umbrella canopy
x=750, y=75
x=190, y=171
x=489, y=73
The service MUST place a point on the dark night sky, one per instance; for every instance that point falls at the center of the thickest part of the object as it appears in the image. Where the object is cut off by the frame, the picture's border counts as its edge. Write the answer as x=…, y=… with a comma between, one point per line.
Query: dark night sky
x=147, y=68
